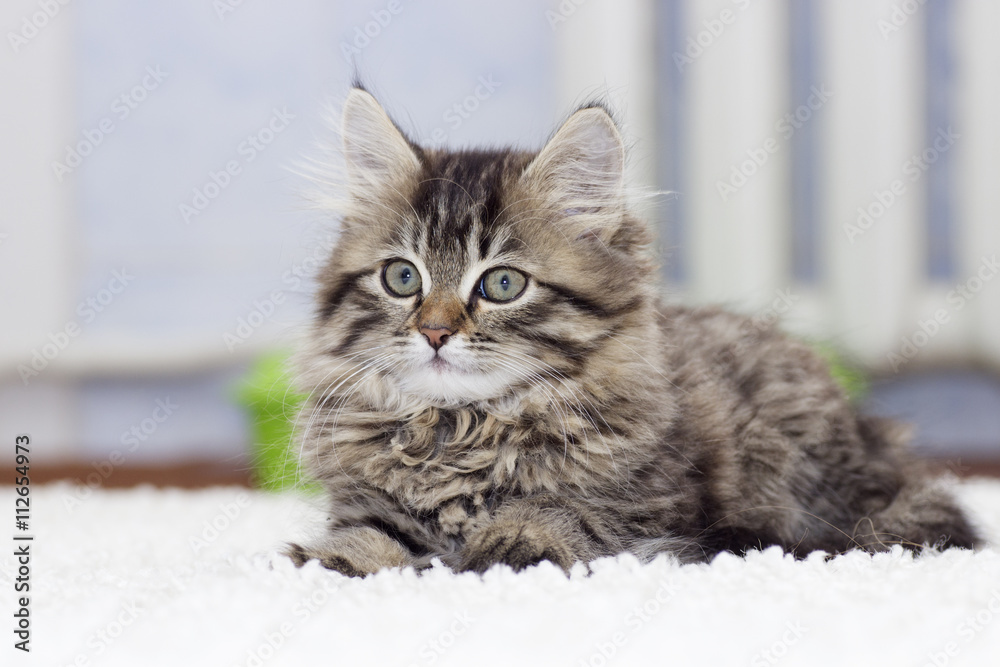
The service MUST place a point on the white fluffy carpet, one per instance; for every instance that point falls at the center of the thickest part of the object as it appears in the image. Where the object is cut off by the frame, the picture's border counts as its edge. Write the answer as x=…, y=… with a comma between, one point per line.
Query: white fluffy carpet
x=116, y=580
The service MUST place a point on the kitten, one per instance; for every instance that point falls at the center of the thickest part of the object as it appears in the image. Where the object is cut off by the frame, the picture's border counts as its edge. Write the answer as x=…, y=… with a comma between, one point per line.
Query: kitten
x=494, y=380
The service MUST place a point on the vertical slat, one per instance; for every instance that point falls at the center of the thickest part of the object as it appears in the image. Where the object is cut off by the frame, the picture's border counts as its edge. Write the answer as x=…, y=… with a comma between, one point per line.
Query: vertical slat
x=737, y=87
x=37, y=262
x=672, y=144
x=939, y=96
x=976, y=155
x=805, y=71
x=606, y=49
x=36, y=125
x=872, y=125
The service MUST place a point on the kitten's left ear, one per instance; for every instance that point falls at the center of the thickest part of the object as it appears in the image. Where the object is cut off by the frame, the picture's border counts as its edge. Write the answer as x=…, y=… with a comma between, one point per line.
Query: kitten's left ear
x=582, y=168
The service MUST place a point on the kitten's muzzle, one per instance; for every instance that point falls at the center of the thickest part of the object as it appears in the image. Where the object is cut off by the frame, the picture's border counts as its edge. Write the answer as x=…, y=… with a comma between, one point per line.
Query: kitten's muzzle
x=436, y=336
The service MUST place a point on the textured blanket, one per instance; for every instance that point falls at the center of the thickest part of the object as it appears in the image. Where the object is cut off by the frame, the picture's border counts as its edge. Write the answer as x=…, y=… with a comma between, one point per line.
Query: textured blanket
x=167, y=577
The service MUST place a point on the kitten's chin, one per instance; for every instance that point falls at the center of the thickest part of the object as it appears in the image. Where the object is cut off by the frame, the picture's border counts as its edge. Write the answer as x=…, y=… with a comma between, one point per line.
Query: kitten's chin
x=443, y=384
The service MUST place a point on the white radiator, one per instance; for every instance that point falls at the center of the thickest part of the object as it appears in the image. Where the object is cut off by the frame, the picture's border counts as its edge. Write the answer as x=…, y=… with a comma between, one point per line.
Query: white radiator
x=824, y=213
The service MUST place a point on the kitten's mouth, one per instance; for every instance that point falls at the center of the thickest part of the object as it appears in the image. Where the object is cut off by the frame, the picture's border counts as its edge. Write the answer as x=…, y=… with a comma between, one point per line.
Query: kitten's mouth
x=450, y=380
x=439, y=365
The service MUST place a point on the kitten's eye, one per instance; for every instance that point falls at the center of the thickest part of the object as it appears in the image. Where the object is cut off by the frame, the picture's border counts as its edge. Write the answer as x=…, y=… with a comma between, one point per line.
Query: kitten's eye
x=502, y=284
x=401, y=278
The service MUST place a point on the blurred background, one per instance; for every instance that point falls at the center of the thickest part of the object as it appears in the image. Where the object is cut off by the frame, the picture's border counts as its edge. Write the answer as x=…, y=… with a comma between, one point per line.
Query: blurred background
x=832, y=165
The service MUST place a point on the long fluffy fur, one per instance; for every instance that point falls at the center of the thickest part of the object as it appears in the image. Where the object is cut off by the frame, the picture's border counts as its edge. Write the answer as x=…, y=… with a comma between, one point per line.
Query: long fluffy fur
x=583, y=419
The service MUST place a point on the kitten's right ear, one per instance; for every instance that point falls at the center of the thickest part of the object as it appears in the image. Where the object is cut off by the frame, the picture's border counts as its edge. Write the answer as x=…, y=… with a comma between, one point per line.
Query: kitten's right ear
x=378, y=157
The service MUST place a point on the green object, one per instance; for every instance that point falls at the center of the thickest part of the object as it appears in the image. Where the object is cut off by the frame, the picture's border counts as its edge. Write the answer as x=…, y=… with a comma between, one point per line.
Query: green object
x=267, y=395
x=847, y=375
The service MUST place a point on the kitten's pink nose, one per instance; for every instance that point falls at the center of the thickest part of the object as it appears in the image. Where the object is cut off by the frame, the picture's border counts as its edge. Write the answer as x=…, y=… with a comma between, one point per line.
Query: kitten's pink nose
x=436, y=337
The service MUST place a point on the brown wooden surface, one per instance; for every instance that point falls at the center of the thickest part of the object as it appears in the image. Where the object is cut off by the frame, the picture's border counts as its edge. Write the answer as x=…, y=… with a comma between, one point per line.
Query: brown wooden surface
x=970, y=468
x=191, y=475
x=200, y=474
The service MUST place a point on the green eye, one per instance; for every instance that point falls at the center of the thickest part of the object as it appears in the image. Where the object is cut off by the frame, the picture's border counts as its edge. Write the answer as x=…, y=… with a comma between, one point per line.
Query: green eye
x=401, y=278
x=502, y=284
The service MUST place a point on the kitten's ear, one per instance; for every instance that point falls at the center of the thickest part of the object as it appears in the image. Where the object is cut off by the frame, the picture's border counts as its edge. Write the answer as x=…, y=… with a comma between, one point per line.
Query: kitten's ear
x=377, y=155
x=582, y=168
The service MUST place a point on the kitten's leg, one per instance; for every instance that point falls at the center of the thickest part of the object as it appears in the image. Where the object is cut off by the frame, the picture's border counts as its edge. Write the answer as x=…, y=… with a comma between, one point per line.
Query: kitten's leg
x=355, y=552
x=528, y=531
x=922, y=513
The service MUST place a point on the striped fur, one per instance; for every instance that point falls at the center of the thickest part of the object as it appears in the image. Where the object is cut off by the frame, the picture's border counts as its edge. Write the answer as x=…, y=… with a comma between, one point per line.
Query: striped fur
x=583, y=418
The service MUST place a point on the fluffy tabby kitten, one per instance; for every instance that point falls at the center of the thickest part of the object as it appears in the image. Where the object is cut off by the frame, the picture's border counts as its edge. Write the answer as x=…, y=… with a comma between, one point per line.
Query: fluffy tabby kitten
x=494, y=380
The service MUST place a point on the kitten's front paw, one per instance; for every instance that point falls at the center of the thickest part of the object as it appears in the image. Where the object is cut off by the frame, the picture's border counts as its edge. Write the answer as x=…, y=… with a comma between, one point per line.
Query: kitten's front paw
x=518, y=545
x=301, y=555
x=354, y=552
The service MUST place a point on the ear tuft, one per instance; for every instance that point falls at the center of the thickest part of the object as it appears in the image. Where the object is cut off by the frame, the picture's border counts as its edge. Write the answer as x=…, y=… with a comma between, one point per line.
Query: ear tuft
x=376, y=153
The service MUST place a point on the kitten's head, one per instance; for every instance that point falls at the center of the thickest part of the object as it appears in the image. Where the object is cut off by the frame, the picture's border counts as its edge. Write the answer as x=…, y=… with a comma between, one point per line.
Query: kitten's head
x=474, y=275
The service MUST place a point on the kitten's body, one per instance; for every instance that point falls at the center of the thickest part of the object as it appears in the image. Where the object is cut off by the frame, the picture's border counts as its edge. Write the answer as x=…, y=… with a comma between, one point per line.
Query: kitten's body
x=581, y=418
